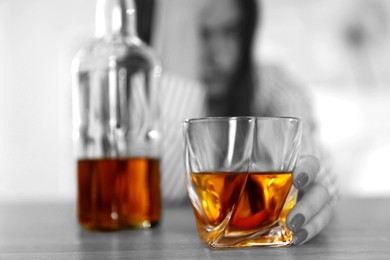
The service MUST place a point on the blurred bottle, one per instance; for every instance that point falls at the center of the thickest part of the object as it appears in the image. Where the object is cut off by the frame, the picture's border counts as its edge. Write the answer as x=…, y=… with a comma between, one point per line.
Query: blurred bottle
x=115, y=118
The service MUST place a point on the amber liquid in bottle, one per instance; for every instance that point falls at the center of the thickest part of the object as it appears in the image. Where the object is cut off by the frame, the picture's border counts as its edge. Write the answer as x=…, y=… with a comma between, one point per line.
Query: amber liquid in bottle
x=118, y=193
x=240, y=204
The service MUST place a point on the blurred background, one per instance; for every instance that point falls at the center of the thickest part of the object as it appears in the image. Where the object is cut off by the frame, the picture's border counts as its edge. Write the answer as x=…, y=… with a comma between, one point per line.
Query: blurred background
x=338, y=49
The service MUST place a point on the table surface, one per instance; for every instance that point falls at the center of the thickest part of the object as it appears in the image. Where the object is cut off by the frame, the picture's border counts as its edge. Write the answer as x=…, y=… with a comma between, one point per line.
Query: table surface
x=360, y=229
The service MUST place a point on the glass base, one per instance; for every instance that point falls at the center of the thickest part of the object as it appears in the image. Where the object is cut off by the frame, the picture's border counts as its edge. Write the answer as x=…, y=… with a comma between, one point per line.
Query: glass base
x=117, y=227
x=277, y=235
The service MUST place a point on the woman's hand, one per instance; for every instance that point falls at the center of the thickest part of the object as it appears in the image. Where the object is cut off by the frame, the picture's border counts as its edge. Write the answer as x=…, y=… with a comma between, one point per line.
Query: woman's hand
x=313, y=210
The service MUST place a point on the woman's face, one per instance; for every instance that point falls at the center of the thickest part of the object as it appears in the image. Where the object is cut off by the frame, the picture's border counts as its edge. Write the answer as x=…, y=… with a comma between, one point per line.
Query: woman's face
x=220, y=44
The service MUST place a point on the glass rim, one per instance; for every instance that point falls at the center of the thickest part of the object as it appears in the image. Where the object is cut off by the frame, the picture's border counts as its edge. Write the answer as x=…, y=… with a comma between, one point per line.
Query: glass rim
x=239, y=118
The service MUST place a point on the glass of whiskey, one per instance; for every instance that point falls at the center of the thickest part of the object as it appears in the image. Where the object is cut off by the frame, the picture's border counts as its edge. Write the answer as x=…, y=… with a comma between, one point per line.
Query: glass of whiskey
x=239, y=178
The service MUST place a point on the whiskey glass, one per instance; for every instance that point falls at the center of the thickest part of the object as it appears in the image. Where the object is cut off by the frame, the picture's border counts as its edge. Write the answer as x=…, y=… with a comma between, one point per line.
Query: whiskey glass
x=239, y=178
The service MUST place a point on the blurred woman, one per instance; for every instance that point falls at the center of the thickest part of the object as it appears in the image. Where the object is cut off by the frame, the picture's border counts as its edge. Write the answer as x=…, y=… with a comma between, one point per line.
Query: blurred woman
x=234, y=85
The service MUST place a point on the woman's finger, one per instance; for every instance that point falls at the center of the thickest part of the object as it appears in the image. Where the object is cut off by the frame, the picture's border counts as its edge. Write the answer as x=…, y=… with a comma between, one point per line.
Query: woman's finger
x=306, y=171
x=308, y=207
x=314, y=226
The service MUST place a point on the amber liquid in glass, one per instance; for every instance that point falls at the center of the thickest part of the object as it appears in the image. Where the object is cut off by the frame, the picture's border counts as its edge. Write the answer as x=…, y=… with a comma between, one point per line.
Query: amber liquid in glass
x=243, y=209
x=118, y=193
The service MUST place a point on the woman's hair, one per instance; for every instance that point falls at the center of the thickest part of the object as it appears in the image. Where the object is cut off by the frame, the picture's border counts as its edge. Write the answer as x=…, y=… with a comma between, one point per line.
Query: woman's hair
x=145, y=11
x=242, y=86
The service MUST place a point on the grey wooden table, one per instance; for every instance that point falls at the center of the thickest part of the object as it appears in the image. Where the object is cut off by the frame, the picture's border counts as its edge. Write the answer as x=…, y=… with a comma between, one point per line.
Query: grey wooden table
x=359, y=230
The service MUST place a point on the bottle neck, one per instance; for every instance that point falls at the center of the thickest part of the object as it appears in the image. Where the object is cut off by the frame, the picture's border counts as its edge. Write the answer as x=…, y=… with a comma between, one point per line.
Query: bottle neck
x=115, y=19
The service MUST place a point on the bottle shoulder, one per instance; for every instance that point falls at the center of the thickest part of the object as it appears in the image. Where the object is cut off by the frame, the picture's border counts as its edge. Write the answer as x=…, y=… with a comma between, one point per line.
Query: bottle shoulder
x=99, y=53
